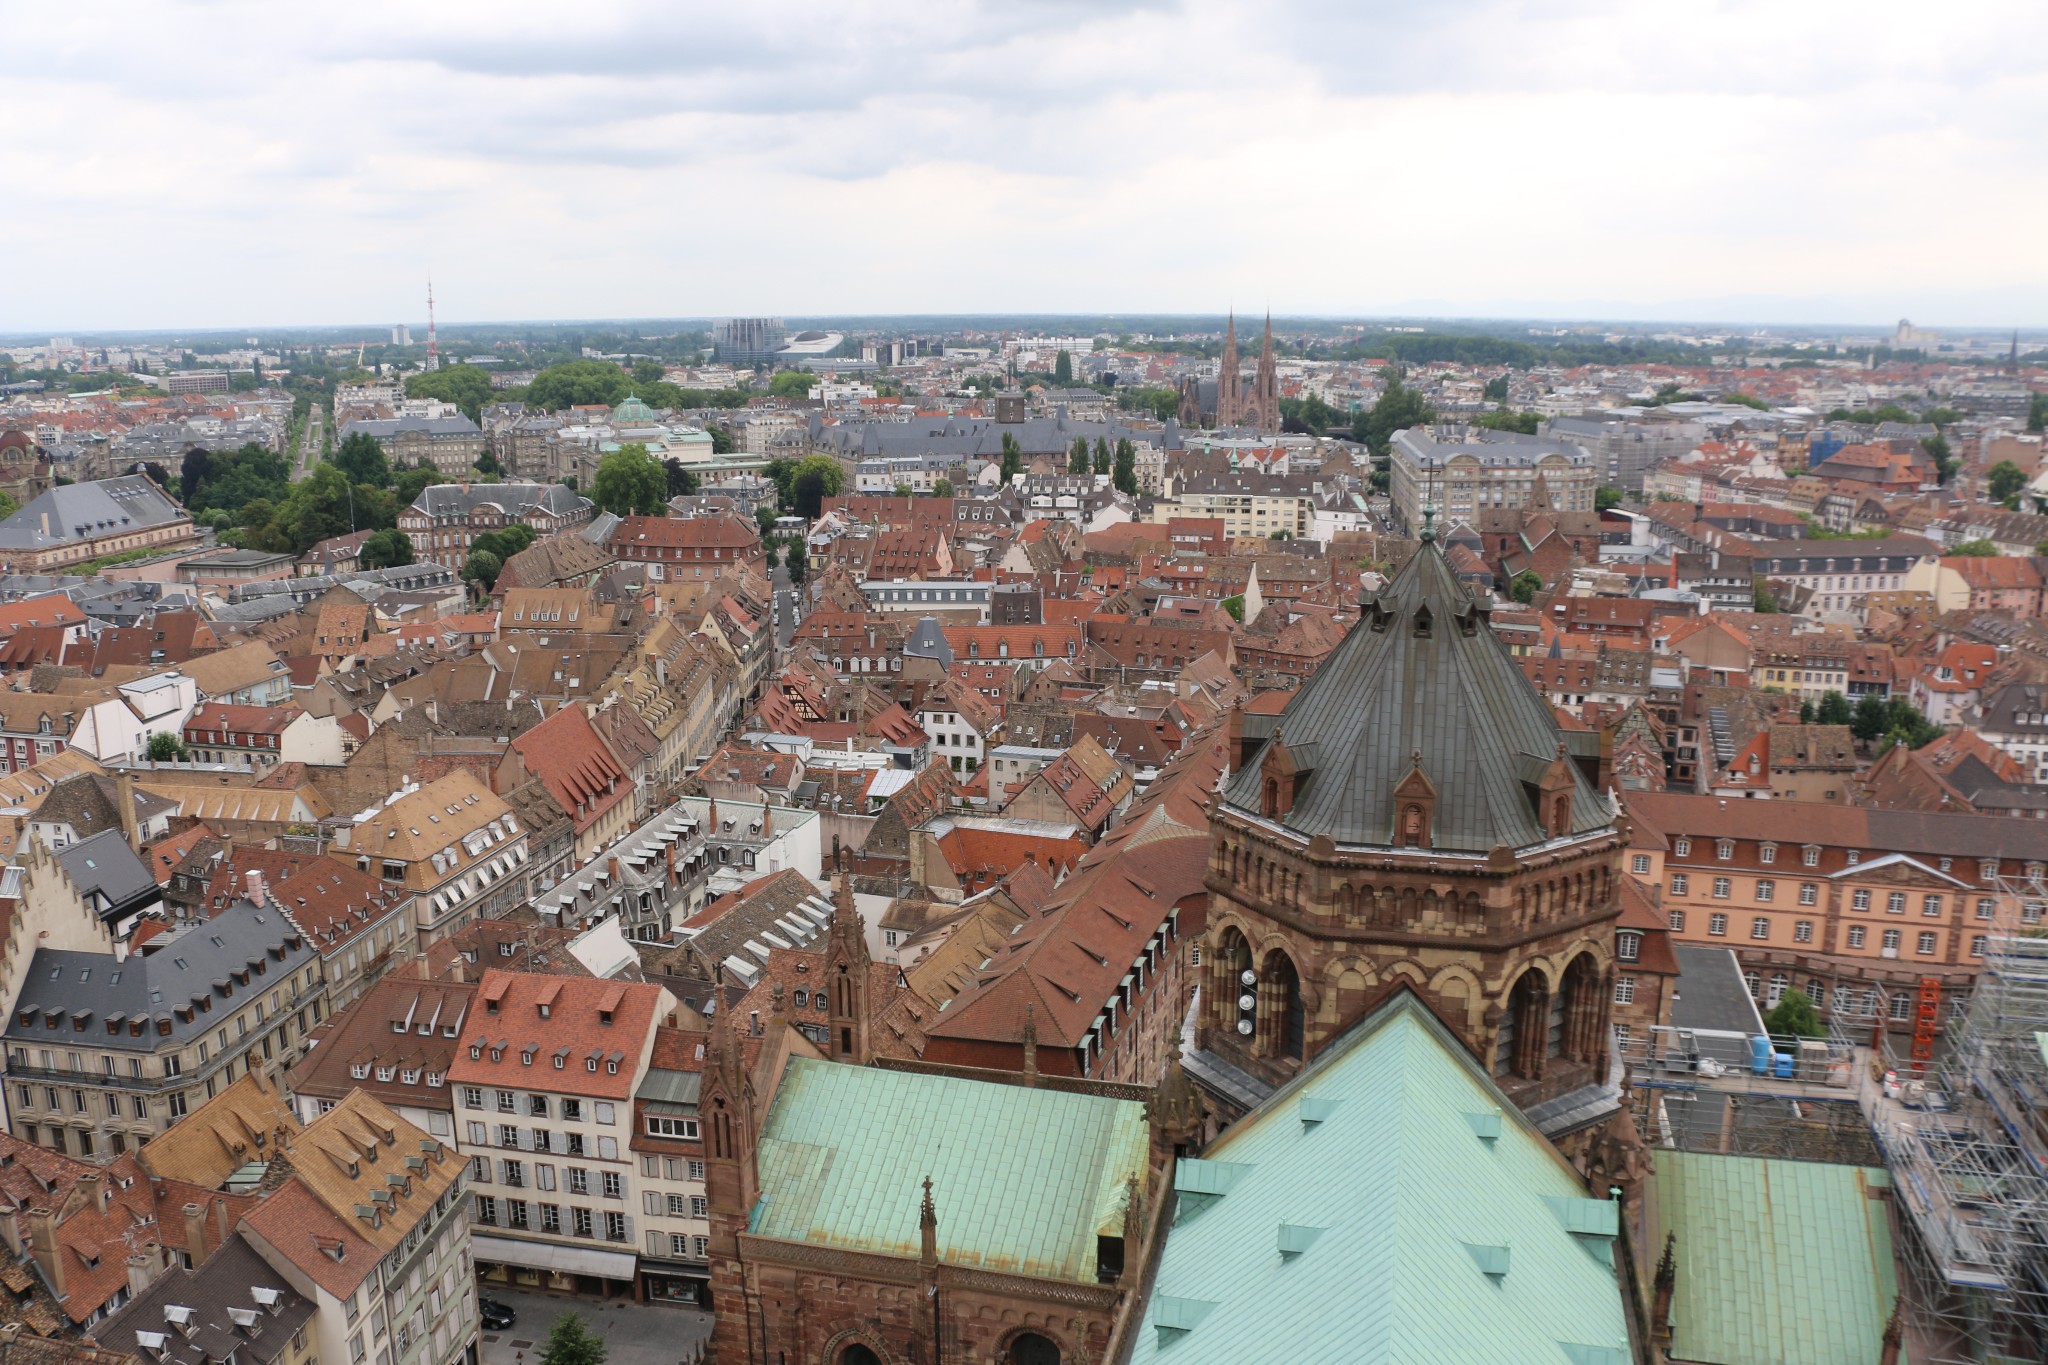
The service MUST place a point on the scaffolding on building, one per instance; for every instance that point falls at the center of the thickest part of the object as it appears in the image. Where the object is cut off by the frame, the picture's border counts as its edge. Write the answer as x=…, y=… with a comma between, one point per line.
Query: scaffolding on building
x=1967, y=1145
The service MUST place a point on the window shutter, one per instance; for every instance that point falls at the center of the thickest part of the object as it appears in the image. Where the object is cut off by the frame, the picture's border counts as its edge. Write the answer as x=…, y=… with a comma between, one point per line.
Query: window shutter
x=654, y=1246
x=651, y=1202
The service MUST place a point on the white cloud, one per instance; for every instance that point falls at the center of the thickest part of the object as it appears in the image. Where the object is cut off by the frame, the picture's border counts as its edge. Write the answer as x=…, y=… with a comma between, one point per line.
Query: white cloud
x=227, y=165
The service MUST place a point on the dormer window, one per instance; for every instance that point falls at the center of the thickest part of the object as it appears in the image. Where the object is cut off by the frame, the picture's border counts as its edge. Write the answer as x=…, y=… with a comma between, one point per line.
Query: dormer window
x=590, y=1063
x=1767, y=852
x=1628, y=946
x=476, y=1052
x=1724, y=849
x=1681, y=848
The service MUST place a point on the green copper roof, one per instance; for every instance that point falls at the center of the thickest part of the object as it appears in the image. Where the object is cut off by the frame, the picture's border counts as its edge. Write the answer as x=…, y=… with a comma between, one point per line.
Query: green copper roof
x=1382, y=1224
x=1777, y=1260
x=1023, y=1180
x=1422, y=673
x=632, y=410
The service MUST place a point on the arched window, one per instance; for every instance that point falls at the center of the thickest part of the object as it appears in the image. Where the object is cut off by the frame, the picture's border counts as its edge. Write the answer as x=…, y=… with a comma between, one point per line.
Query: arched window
x=1524, y=1039
x=858, y=1353
x=1032, y=1349
x=1280, y=984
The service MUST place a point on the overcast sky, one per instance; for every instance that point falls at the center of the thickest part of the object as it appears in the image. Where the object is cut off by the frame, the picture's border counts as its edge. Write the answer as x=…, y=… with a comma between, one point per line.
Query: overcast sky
x=185, y=166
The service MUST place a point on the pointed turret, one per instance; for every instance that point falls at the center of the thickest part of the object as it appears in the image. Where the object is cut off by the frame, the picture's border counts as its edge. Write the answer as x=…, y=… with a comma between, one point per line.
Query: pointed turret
x=1229, y=381
x=928, y=1229
x=846, y=970
x=1264, y=405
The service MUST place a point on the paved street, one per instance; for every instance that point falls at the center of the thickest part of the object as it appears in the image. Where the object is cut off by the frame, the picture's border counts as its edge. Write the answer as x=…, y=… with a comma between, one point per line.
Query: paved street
x=634, y=1334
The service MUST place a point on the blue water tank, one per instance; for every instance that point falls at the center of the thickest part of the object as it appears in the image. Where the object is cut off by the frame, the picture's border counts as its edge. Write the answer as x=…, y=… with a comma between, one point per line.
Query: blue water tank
x=1760, y=1054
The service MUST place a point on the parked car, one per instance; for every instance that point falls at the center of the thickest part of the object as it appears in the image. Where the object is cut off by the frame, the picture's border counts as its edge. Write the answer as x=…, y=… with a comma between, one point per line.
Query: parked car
x=496, y=1316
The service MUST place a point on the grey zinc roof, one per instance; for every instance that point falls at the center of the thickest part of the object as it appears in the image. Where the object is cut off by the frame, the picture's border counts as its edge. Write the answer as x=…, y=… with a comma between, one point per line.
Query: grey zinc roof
x=928, y=641
x=105, y=864
x=385, y=427
x=1419, y=447
x=1451, y=693
x=62, y=984
x=74, y=511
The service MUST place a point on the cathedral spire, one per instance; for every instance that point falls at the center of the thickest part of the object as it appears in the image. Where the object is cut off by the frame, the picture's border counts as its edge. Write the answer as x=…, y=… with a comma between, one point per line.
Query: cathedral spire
x=1264, y=405
x=847, y=964
x=1229, y=379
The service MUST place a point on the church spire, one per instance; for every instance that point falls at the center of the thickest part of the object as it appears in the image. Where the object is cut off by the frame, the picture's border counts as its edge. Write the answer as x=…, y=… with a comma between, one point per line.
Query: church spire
x=1229, y=379
x=847, y=964
x=1264, y=404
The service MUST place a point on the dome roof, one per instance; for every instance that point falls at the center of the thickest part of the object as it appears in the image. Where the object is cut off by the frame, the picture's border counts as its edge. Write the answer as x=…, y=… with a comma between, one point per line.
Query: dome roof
x=1421, y=682
x=633, y=410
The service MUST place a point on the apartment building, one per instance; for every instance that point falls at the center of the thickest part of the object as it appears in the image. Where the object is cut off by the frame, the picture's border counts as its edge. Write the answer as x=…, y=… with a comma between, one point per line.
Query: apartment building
x=371, y=1228
x=1855, y=906
x=359, y=924
x=232, y=1306
x=445, y=518
x=1250, y=506
x=453, y=844
x=1476, y=470
x=544, y=1086
x=104, y=1051
x=675, y=1265
x=396, y=1044
x=1841, y=574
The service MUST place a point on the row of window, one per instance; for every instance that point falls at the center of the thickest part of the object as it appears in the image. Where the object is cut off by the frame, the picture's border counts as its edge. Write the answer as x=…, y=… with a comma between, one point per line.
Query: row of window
x=1809, y=856
x=570, y=1143
x=1927, y=943
x=521, y=1216
x=512, y=1174
x=1766, y=890
x=568, y=1108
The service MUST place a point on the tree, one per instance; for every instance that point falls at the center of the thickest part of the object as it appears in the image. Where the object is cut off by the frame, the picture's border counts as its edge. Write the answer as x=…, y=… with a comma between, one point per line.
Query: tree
x=648, y=372
x=1525, y=586
x=2007, y=479
x=1500, y=419
x=629, y=481
x=2037, y=413
x=1105, y=463
x=488, y=466
x=1904, y=724
x=770, y=556
x=482, y=568
x=942, y=488
x=166, y=747
x=388, y=549
x=1397, y=409
x=504, y=542
x=1766, y=600
x=192, y=473
x=1013, y=458
x=1126, y=476
x=798, y=560
x=576, y=382
x=1945, y=463
x=1496, y=390
x=904, y=490
x=406, y=487
x=1793, y=1017
x=764, y=517
x=1063, y=368
x=722, y=442
x=466, y=386
x=1606, y=499
x=792, y=384
x=570, y=1343
x=361, y=459
x=817, y=477
x=682, y=483
x=1078, y=461
x=1870, y=718
x=1834, y=709
x=1806, y=713
x=1979, y=548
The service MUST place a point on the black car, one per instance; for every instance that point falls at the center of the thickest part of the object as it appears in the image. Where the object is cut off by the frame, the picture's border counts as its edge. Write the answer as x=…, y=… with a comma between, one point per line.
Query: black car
x=496, y=1316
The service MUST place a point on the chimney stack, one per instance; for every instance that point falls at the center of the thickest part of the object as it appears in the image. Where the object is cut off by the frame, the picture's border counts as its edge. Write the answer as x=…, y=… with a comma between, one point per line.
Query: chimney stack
x=195, y=1232
x=256, y=889
x=124, y=797
x=142, y=1268
x=42, y=1244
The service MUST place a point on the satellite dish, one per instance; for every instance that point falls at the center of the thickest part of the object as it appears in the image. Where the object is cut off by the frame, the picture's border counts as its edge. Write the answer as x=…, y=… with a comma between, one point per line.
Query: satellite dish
x=1244, y=1026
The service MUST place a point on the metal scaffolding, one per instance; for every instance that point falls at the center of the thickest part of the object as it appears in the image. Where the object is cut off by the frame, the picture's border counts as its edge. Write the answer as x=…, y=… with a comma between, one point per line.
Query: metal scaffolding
x=1969, y=1155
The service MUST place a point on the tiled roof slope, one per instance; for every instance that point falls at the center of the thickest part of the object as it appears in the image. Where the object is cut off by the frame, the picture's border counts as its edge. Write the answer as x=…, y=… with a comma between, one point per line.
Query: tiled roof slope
x=1421, y=674
x=1024, y=1180
x=1393, y=1204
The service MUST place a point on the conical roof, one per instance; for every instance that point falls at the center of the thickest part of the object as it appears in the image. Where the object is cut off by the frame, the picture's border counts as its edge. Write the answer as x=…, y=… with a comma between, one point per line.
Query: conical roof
x=1423, y=675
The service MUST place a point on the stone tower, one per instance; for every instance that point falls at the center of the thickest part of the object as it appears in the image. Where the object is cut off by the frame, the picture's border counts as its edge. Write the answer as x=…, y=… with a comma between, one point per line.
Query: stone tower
x=1263, y=409
x=847, y=975
x=1229, y=380
x=1416, y=816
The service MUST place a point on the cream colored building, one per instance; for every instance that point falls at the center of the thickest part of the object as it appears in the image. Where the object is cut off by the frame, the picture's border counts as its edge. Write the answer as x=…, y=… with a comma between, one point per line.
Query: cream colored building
x=454, y=844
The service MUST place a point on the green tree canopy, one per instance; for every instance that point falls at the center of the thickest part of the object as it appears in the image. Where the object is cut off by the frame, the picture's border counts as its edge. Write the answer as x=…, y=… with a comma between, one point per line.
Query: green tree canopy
x=570, y=1343
x=2007, y=479
x=1500, y=419
x=630, y=480
x=466, y=386
x=942, y=488
x=504, y=542
x=1496, y=390
x=578, y=381
x=1013, y=458
x=361, y=459
x=1606, y=499
x=1834, y=709
x=1399, y=407
x=1105, y=463
x=166, y=747
x=764, y=517
x=682, y=480
x=1078, y=460
x=816, y=478
x=1063, y=368
x=648, y=372
x=792, y=384
x=482, y=568
x=408, y=483
x=387, y=549
x=1979, y=548
x=798, y=559
x=230, y=479
x=722, y=442
x=488, y=466
x=1525, y=586
x=1125, y=475
x=1793, y=1017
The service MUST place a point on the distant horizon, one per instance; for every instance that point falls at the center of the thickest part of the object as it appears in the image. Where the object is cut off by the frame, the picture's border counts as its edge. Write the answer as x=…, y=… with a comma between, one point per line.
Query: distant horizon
x=1588, y=159
x=1003, y=320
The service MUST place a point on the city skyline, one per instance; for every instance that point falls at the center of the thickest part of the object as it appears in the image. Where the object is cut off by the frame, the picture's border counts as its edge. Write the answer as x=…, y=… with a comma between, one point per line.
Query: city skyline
x=1603, y=163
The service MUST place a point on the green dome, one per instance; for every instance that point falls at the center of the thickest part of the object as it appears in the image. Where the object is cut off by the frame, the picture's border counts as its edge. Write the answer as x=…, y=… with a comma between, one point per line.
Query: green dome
x=632, y=410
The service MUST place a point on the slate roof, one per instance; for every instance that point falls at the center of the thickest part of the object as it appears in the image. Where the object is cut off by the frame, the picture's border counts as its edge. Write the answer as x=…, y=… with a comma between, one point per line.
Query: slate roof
x=1023, y=1180
x=228, y=1280
x=74, y=511
x=105, y=865
x=1421, y=673
x=1362, y=1212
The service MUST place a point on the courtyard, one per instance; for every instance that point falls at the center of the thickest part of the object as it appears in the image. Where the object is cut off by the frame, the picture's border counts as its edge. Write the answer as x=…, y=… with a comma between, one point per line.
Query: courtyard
x=633, y=1334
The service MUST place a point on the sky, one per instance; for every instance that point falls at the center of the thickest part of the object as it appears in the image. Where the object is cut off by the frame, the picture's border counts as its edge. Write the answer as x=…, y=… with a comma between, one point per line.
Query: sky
x=228, y=164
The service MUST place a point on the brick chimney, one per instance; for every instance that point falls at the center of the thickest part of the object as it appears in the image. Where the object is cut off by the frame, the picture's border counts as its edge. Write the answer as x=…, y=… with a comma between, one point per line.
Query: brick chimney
x=124, y=797
x=142, y=1270
x=42, y=1244
x=195, y=1232
x=257, y=892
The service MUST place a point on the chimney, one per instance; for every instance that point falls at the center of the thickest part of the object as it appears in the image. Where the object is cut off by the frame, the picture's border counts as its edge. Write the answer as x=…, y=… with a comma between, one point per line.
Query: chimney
x=256, y=890
x=195, y=1232
x=42, y=1244
x=124, y=797
x=142, y=1268
x=223, y=1221
x=612, y=866
x=95, y=1189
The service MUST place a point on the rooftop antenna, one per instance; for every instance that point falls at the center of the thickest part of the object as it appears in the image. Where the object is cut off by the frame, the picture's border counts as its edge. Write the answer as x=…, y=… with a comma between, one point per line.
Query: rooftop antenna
x=433, y=346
